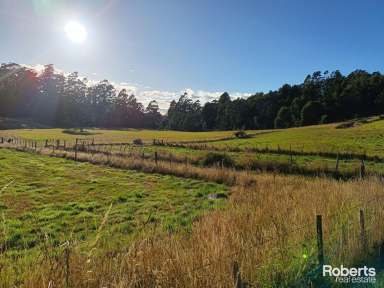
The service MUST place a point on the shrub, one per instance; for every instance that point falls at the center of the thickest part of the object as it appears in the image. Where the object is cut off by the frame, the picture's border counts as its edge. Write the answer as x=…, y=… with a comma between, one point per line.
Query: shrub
x=241, y=134
x=78, y=131
x=214, y=158
x=137, y=141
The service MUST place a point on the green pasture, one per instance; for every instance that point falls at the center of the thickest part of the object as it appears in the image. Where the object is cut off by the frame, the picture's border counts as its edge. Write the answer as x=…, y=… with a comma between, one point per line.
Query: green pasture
x=116, y=136
x=363, y=138
x=44, y=197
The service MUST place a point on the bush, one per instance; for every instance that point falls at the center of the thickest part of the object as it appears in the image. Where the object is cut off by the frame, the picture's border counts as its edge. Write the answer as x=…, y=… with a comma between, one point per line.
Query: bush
x=137, y=141
x=78, y=131
x=241, y=134
x=213, y=158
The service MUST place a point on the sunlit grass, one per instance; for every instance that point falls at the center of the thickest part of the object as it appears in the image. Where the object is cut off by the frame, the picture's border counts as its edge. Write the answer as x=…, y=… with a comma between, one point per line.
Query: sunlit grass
x=61, y=198
x=117, y=136
x=365, y=138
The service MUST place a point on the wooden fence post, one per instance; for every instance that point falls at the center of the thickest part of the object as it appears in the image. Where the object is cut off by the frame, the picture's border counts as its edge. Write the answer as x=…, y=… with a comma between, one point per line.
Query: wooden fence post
x=76, y=149
x=66, y=268
x=363, y=235
x=337, y=164
x=362, y=169
x=320, y=246
x=237, y=276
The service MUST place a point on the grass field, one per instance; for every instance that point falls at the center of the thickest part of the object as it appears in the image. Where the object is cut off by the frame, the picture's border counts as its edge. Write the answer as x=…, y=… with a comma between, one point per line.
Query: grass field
x=58, y=198
x=364, y=138
x=131, y=221
x=117, y=136
x=267, y=226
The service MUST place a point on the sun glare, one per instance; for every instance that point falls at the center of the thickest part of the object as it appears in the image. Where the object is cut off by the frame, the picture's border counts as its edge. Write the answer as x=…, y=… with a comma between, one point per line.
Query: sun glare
x=76, y=32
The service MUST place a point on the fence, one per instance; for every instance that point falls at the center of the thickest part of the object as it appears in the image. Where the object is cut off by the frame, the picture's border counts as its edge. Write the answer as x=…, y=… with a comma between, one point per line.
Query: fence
x=355, y=167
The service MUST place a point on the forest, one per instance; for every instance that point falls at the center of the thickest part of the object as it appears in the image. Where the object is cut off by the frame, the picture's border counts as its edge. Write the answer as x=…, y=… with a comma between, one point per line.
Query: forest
x=57, y=100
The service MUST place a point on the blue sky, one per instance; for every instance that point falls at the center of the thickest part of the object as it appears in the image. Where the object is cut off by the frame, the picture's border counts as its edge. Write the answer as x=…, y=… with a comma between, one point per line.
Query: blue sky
x=160, y=48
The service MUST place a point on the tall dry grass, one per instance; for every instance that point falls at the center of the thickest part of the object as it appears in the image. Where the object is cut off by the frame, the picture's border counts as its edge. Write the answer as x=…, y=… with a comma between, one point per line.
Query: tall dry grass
x=268, y=228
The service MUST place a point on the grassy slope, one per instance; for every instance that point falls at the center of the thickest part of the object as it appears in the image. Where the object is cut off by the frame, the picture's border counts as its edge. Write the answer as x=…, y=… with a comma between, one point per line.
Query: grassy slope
x=59, y=198
x=363, y=138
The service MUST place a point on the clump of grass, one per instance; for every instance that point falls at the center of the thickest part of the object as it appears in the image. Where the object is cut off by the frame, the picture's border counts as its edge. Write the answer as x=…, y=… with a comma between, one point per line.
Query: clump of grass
x=137, y=142
x=241, y=134
x=217, y=159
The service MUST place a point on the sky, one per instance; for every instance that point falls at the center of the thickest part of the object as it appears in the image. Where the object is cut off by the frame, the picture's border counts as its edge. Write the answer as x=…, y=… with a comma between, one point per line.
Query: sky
x=160, y=48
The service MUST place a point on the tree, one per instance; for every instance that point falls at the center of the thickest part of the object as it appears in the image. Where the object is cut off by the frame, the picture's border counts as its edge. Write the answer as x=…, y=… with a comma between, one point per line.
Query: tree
x=135, y=113
x=71, y=109
x=152, y=115
x=48, y=101
x=185, y=114
x=311, y=113
x=101, y=96
x=209, y=114
x=223, y=112
x=283, y=118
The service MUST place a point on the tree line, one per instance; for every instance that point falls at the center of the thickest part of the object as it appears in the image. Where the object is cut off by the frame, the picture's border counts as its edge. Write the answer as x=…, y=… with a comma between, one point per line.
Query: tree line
x=54, y=99
x=321, y=98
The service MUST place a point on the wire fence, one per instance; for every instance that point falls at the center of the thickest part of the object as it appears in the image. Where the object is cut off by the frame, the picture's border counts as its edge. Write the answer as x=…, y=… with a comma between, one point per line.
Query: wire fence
x=353, y=166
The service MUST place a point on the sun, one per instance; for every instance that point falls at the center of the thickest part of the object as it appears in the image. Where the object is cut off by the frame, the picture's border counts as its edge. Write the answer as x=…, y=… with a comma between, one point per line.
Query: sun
x=76, y=32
